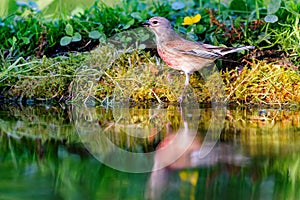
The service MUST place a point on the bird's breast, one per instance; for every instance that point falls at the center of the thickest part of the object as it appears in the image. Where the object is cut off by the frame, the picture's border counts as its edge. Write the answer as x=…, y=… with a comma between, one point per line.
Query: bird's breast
x=170, y=59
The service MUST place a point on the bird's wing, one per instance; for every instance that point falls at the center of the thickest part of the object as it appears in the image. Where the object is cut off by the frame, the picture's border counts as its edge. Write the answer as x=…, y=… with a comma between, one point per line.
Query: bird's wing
x=203, y=53
x=196, y=49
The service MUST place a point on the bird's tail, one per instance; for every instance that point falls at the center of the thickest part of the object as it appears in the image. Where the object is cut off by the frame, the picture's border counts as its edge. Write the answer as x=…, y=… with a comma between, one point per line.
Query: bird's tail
x=235, y=49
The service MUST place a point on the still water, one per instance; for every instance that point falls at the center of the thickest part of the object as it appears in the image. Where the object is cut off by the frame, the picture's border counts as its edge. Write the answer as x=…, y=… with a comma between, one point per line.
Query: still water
x=72, y=152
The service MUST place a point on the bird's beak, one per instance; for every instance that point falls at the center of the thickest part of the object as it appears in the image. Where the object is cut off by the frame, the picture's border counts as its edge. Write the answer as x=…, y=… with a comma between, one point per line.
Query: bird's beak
x=146, y=24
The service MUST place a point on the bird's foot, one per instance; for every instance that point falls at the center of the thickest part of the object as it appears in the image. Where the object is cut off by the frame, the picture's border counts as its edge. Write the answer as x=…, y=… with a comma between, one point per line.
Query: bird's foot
x=180, y=99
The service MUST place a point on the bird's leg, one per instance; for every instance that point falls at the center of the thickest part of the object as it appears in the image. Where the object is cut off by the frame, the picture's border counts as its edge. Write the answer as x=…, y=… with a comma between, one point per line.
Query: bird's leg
x=186, y=84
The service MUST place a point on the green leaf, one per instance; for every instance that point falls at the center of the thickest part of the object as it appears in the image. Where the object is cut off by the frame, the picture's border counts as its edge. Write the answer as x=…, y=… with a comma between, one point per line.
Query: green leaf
x=142, y=46
x=200, y=28
x=237, y=22
x=77, y=37
x=25, y=40
x=182, y=29
x=94, y=34
x=64, y=41
x=137, y=16
x=100, y=27
x=192, y=36
x=273, y=6
x=130, y=23
x=142, y=6
x=69, y=29
x=144, y=37
x=126, y=39
x=102, y=39
x=12, y=40
x=178, y=5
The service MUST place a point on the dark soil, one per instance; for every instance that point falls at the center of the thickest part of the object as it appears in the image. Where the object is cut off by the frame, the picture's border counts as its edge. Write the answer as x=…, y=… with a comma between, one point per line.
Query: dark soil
x=81, y=46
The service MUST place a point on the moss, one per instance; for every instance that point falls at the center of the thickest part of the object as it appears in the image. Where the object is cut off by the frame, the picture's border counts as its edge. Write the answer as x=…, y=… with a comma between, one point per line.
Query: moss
x=41, y=78
x=138, y=77
x=111, y=75
x=263, y=83
x=133, y=76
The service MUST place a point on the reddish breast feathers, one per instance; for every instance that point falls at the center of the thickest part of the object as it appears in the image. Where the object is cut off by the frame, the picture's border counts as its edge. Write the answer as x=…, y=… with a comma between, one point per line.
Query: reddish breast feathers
x=167, y=58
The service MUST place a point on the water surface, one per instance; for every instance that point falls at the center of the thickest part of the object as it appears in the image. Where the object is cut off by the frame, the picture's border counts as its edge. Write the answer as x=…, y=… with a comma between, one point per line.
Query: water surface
x=54, y=152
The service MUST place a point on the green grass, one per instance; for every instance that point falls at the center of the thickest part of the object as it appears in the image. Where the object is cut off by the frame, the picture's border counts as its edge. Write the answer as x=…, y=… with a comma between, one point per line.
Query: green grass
x=30, y=33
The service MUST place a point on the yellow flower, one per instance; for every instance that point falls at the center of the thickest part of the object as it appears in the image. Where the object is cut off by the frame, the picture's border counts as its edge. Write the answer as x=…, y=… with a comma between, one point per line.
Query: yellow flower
x=191, y=20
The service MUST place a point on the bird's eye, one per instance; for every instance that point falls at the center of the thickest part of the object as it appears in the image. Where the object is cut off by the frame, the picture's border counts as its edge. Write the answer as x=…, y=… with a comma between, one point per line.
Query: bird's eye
x=155, y=22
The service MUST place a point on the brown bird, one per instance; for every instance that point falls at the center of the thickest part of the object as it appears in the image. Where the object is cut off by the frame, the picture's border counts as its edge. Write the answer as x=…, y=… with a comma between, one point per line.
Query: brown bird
x=182, y=54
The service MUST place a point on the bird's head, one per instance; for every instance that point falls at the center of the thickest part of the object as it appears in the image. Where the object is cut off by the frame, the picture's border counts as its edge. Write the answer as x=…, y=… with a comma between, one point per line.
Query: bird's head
x=158, y=24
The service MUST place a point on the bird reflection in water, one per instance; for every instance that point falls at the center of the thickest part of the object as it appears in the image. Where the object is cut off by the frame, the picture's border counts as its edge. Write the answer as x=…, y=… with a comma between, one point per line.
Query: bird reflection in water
x=182, y=150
